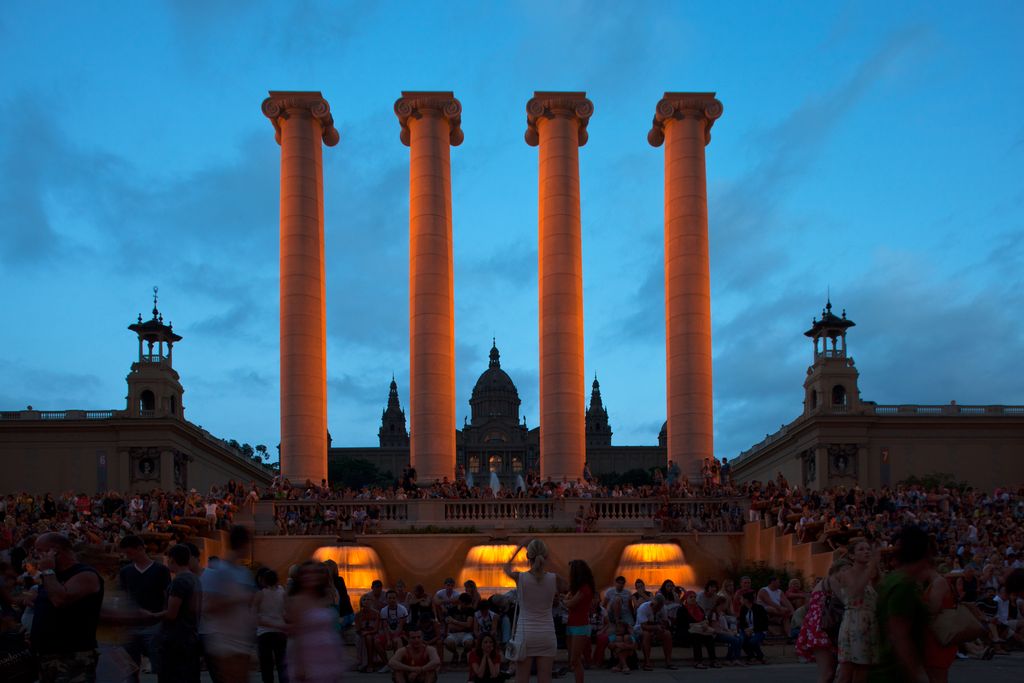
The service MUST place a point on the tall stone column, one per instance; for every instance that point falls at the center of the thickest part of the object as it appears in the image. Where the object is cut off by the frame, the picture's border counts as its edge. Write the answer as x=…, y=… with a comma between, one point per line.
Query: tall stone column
x=557, y=122
x=430, y=125
x=301, y=121
x=683, y=122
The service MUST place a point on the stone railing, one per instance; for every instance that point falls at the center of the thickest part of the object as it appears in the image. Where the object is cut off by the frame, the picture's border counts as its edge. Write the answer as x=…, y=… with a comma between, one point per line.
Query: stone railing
x=488, y=515
x=61, y=414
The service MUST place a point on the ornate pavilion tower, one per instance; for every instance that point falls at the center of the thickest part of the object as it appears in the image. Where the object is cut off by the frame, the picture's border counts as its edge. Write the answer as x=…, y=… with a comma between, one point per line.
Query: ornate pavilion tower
x=154, y=387
x=831, y=383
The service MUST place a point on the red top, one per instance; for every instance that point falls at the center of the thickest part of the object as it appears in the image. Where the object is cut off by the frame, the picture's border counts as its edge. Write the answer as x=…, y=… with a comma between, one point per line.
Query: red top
x=579, y=614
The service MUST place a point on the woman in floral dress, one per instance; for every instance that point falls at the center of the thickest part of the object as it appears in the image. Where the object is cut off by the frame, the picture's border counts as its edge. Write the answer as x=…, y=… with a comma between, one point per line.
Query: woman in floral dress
x=858, y=635
x=813, y=643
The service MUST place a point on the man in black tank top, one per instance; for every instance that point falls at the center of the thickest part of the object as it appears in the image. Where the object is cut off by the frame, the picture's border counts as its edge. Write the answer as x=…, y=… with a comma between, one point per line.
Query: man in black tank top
x=67, y=611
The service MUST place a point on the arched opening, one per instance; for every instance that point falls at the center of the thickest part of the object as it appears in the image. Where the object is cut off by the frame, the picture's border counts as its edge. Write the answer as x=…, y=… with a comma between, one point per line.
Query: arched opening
x=147, y=401
x=517, y=464
x=814, y=399
x=474, y=463
x=494, y=463
x=174, y=406
x=839, y=395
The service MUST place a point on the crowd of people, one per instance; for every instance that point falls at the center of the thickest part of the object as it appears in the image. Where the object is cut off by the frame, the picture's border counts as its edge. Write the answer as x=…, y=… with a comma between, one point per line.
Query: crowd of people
x=103, y=519
x=909, y=564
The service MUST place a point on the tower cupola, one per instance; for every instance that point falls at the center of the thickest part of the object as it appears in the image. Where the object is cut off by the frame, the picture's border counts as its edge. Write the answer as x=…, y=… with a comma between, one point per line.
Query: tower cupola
x=154, y=387
x=831, y=383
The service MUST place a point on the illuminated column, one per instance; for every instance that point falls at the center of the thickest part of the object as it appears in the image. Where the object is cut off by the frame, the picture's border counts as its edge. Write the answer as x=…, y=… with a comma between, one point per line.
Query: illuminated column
x=430, y=125
x=301, y=120
x=557, y=122
x=683, y=122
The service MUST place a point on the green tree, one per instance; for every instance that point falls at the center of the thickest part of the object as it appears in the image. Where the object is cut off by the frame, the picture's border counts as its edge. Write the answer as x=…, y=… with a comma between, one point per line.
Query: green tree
x=355, y=473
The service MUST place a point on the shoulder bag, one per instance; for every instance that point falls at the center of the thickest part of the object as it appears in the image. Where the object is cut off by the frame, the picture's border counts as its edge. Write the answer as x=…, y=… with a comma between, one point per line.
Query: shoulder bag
x=832, y=609
x=514, y=646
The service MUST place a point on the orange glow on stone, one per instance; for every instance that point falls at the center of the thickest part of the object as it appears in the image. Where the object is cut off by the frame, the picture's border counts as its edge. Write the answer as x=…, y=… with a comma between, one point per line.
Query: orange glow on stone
x=653, y=563
x=358, y=565
x=485, y=565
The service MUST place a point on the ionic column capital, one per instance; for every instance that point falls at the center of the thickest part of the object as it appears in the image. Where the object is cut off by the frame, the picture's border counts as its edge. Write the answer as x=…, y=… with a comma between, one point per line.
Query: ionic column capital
x=548, y=105
x=282, y=103
x=415, y=104
x=683, y=105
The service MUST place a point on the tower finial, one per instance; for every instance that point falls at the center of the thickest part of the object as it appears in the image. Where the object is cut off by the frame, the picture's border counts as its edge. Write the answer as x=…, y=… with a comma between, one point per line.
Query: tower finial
x=155, y=311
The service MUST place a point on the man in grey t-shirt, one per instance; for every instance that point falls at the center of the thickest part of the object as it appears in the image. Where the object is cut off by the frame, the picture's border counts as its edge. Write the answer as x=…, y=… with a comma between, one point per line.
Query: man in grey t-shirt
x=618, y=603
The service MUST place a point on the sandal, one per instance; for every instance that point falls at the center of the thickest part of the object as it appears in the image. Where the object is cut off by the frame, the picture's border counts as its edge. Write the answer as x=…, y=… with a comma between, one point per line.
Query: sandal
x=700, y=665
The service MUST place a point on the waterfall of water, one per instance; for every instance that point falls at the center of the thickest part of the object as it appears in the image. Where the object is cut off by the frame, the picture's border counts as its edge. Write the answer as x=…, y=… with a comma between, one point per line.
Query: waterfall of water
x=520, y=484
x=495, y=484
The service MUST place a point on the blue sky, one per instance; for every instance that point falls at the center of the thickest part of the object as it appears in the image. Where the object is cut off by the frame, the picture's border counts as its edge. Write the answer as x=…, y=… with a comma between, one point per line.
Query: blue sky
x=874, y=148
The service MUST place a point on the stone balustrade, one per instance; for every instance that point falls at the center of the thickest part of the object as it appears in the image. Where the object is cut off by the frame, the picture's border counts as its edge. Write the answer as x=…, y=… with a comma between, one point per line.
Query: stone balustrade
x=328, y=517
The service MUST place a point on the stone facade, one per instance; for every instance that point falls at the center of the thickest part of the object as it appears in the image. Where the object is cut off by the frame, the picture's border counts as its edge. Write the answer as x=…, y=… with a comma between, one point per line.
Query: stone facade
x=147, y=445
x=841, y=439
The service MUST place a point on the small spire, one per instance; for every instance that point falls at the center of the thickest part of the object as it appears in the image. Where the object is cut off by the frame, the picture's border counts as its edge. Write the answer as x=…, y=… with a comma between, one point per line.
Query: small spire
x=156, y=313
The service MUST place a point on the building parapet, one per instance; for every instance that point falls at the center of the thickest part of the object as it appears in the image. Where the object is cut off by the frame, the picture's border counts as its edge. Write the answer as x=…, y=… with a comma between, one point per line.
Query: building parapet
x=77, y=415
x=873, y=409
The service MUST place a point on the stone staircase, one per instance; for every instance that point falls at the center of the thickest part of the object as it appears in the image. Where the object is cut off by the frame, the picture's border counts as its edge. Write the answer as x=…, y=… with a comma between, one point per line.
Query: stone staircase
x=770, y=546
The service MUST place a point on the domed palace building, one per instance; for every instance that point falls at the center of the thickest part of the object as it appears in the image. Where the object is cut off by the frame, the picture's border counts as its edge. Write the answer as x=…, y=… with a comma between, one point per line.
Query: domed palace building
x=495, y=438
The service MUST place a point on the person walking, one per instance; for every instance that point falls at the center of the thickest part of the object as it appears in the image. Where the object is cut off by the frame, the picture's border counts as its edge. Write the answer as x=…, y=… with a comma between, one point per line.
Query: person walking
x=229, y=632
x=271, y=641
x=177, y=641
x=578, y=601
x=902, y=615
x=314, y=646
x=535, y=629
x=814, y=642
x=67, y=611
x=145, y=581
x=938, y=658
x=858, y=634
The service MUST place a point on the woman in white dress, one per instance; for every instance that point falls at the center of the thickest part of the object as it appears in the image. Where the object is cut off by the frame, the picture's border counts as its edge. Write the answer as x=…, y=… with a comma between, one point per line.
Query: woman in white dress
x=535, y=627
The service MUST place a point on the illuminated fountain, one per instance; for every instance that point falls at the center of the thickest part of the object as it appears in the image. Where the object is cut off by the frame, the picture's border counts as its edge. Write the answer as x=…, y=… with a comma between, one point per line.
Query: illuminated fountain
x=485, y=564
x=653, y=563
x=357, y=564
x=495, y=484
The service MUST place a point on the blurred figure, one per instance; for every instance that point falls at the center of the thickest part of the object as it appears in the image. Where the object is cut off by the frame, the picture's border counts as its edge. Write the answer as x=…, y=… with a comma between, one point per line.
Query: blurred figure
x=271, y=640
x=145, y=581
x=902, y=614
x=177, y=642
x=228, y=591
x=314, y=647
x=67, y=611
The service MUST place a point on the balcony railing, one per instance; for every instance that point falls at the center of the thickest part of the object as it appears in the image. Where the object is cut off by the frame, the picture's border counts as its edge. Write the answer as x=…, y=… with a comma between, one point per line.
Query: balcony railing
x=499, y=514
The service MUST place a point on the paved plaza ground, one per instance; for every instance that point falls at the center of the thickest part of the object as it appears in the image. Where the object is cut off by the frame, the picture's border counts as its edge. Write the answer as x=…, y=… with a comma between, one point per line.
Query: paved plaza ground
x=1003, y=668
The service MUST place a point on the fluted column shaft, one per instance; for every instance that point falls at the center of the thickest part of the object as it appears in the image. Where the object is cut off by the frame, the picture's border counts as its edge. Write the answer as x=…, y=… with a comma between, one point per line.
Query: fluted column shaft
x=557, y=123
x=430, y=125
x=301, y=121
x=683, y=122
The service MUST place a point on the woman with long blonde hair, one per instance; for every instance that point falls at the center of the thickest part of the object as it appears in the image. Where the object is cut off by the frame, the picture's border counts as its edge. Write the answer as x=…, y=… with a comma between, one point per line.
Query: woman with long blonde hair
x=535, y=629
